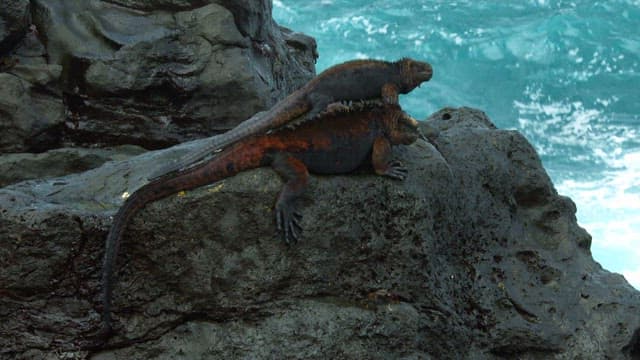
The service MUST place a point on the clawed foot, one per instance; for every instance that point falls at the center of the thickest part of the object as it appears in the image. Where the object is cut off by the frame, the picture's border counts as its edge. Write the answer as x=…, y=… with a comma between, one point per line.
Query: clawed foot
x=288, y=223
x=396, y=170
x=390, y=94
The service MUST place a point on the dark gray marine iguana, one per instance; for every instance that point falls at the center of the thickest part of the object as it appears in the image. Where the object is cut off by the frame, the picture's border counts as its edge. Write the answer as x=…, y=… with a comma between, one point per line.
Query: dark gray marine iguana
x=350, y=81
x=335, y=143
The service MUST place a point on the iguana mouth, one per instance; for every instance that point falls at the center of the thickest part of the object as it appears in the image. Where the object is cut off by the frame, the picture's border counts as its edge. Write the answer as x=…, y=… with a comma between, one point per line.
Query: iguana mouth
x=424, y=75
x=415, y=73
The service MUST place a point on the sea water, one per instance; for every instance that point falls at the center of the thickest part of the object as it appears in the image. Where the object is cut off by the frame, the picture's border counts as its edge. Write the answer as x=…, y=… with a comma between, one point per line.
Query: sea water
x=564, y=73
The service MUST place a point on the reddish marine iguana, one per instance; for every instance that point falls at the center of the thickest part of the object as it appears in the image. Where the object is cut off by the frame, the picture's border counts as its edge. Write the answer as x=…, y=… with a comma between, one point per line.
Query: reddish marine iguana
x=335, y=143
x=352, y=80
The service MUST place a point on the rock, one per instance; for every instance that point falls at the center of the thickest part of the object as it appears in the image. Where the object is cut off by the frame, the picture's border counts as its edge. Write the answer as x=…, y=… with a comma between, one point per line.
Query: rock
x=24, y=166
x=31, y=108
x=148, y=73
x=14, y=20
x=473, y=256
x=30, y=115
x=252, y=17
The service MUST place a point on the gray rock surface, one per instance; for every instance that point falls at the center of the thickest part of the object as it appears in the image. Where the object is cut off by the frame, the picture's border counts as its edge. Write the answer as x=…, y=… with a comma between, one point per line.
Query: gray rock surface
x=473, y=256
x=18, y=167
x=31, y=110
x=148, y=73
x=14, y=21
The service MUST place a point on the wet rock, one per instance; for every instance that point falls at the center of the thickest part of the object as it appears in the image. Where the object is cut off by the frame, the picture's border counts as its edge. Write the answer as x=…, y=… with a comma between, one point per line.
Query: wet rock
x=474, y=256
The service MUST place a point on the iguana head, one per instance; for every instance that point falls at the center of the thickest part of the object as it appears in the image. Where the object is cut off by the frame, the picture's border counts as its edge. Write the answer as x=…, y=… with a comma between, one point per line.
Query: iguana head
x=404, y=129
x=413, y=73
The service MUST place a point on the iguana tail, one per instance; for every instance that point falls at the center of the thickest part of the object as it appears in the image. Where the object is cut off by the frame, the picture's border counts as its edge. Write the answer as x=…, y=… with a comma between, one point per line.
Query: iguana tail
x=146, y=194
x=284, y=111
x=232, y=161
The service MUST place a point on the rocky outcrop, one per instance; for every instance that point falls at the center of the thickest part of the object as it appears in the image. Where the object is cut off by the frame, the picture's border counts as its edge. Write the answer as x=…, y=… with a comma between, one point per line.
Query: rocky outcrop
x=473, y=256
x=148, y=73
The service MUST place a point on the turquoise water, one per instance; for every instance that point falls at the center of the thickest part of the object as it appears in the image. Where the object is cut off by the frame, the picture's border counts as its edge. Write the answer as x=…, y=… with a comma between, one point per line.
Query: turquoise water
x=564, y=73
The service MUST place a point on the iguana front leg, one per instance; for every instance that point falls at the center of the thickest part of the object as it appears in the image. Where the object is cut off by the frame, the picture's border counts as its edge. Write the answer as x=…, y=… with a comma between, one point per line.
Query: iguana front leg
x=383, y=163
x=322, y=104
x=296, y=176
x=390, y=93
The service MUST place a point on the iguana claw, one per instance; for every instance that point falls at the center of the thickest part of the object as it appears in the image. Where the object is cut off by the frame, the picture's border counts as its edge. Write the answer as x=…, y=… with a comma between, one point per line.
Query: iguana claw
x=288, y=223
x=396, y=170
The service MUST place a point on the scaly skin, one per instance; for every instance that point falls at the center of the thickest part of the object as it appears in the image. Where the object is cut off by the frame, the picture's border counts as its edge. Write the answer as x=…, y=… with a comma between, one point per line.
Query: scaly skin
x=350, y=81
x=335, y=143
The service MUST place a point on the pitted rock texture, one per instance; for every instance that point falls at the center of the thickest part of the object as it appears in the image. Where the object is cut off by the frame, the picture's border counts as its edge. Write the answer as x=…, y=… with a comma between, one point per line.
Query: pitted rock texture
x=147, y=73
x=473, y=256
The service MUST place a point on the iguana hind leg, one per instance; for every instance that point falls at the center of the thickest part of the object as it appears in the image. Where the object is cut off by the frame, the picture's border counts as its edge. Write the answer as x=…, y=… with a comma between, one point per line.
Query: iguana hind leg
x=295, y=176
x=383, y=163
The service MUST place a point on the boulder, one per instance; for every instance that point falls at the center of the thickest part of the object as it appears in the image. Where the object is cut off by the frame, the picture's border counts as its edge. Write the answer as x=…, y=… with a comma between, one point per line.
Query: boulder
x=473, y=256
x=147, y=73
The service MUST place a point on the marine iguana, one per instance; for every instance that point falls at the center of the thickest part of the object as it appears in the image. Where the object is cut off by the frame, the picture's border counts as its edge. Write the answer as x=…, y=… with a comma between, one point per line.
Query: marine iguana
x=352, y=80
x=335, y=143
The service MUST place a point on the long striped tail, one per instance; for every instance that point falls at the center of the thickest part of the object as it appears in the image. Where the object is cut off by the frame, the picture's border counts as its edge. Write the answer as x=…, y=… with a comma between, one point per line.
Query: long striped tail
x=135, y=202
x=281, y=113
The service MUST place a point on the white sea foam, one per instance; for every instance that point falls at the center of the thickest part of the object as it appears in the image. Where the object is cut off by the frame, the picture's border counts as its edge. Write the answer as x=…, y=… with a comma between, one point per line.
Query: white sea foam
x=529, y=44
x=492, y=51
x=348, y=25
x=562, y=123
x=608, y=200
x=280, y=6
x=609, y=209
x=452, y=37
x=364, y=23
